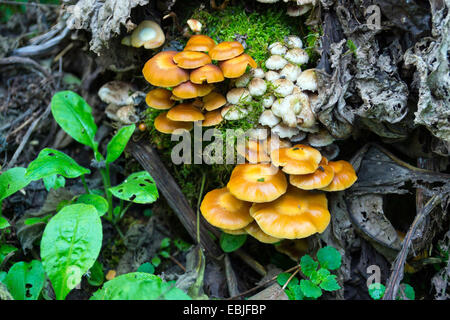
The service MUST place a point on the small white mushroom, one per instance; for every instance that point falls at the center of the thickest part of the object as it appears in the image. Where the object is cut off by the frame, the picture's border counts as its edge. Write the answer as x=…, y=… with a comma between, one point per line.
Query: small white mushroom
x=296, y=11
x=307, y=80
x=283, y=87
x=257, y=87
x=297, y=56
x=293, y=42
x=268, y=101
x=276, y=62
x=291, y=71
x=236, y=95
x=306, y=120
x=298, y=137
x=284, y=131
x=233, y=112
x=272, y=75
x=320, y=139
x=277, y=48
x=257, y=73
x=286, y=109
x=195, y=25
x=267, y=118
x=330, y=152
x=118, y=92
x=127, y=115
x=243, y=80
x=259, y=133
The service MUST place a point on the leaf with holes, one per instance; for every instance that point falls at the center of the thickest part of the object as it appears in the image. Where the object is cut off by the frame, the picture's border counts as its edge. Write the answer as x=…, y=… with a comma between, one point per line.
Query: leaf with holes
x=50, y=162
x=70, y=245
x=12, y=181
x=25, y=280
x=118, y=143
x=97, y=201
x=139, y=187
x=74, y=116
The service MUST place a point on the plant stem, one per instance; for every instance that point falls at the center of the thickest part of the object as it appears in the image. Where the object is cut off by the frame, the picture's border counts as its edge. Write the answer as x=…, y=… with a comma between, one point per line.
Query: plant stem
x=83, y=179
x=122, y=212
x=202, y=187
x=107, y=184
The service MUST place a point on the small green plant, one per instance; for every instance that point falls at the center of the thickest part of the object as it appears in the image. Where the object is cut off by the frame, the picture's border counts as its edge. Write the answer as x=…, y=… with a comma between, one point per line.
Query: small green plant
x=230, y=243
x=317, y=275
x=377, y=290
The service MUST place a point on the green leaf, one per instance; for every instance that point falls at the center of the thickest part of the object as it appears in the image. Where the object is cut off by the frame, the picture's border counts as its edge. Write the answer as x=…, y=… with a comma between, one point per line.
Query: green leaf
x=50, y=162
x=4, y=223
x=98, y=202
x=376, y=290
x=54, y=182
x=308, y=265
x=156, y=261
x=35, y=220
x=320, y=275
x=25, y=280
x=329, y=258
x=96, y=274
x=282, y=278
x=165, y=243
x=70, y=245
x=330, y=283
x=74, y=116
x=139, y=187
x=147, y=268
x=6, y=249
x=408, y=290
x=12, y=181
x=3, y=275
x=230, y=243
x=309, y=289
x=298, y=293
x=118, y=143
x=139, y=286
x=164, y=254
x=181, y=245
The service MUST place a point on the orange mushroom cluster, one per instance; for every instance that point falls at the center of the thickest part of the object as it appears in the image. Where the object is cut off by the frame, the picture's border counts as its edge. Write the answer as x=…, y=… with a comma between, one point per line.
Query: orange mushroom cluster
x=280, y=195
x=189, y=77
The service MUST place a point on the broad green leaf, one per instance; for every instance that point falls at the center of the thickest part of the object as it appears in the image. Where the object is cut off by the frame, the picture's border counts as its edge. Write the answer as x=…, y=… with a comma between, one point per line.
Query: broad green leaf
x=308, y=265
x=376, y=290
x=230, y=243
x=98, y=202
x=139, y=286
x=309, y=289
x=25, y=280
x=96, y=275
x=118, y=143
x=74, y=116
x=329, y=258
x=54, y=182
x=139, y=187
x=330, y=283
x=147, y=268
x=3, y=222
x=50, y=162
x=6, y=249
x=70, y=245
x=12, y=181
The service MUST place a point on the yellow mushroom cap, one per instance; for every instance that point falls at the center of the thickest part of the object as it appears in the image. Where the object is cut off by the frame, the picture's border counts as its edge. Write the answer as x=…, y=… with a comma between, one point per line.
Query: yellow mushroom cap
x=161, y=71
x=165, y=125
x=189, y=90
x=235, y=232
x=234, y=68
x=148, y=34
x=255, y=231
x=299, y=159
x=221, y=209
x=209, y=73
x=254, y=151
x=212, y=118
x=159, y=99
x=185, y=112
x=344, y=176
x=257, y=182
x=226, y=50
x=213, y=101
x=191, y=59
x=296, y=214
x=294, y=249
x=320, y=178
x=200, y=43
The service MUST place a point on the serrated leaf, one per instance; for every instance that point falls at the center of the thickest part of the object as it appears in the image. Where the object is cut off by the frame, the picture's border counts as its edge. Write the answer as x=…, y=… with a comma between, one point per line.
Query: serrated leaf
x=12, y=181
x=139, y=187
x=118, y=143
x=230, y=243
x=309, y=289
x=330, y=283
x=329, y=258
x=74, y=116
x=51, y=162
x=54, y=182
x=25, y=280
x=308, y=265
x=376, y=290
x=100, y=203
x=70, y=245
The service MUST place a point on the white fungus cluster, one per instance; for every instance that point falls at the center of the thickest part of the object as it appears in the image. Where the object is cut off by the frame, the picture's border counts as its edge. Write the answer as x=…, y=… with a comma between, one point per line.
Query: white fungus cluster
x=295, y=8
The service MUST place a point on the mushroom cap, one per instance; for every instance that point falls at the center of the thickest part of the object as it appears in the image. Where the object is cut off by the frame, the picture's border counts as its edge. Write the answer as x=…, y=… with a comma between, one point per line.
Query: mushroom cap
x=255, y=231
x=199, y=42
x=296, y=214
x=320, y=178
x=254, y=151
x=277, y=48
x=226, y=50
x=276, y=62
x=148, y=34
x=209, y=72
x=243, y=80
x=194, y=25
x=233, y=112
x=236, y=95
x=213, y=101
x=235, y=67
x=221, y=209
x=307, y=80
x=117, y=92
x=299, y=159
x=291, y=71
x=235, y=232
x=257, y=87
x=165, y=125
x=293, y=42
x=344, y=176
x=191, y=59
x=257, y=182
x=185, y=112
x=320, y=139
x=283, y=87
x=212, y=118
x=284, y=131
x=272, y=75
x=161, y=71
x=297, y=56
x=159, y=98
x=189, y=90
x=267, y=118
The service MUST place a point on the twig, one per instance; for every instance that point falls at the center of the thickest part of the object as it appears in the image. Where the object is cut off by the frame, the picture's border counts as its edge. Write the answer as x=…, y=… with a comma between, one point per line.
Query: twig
x=178, y=263
x=231, y=277
x=43, y=48
x=290, y=278
x=24, y=61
